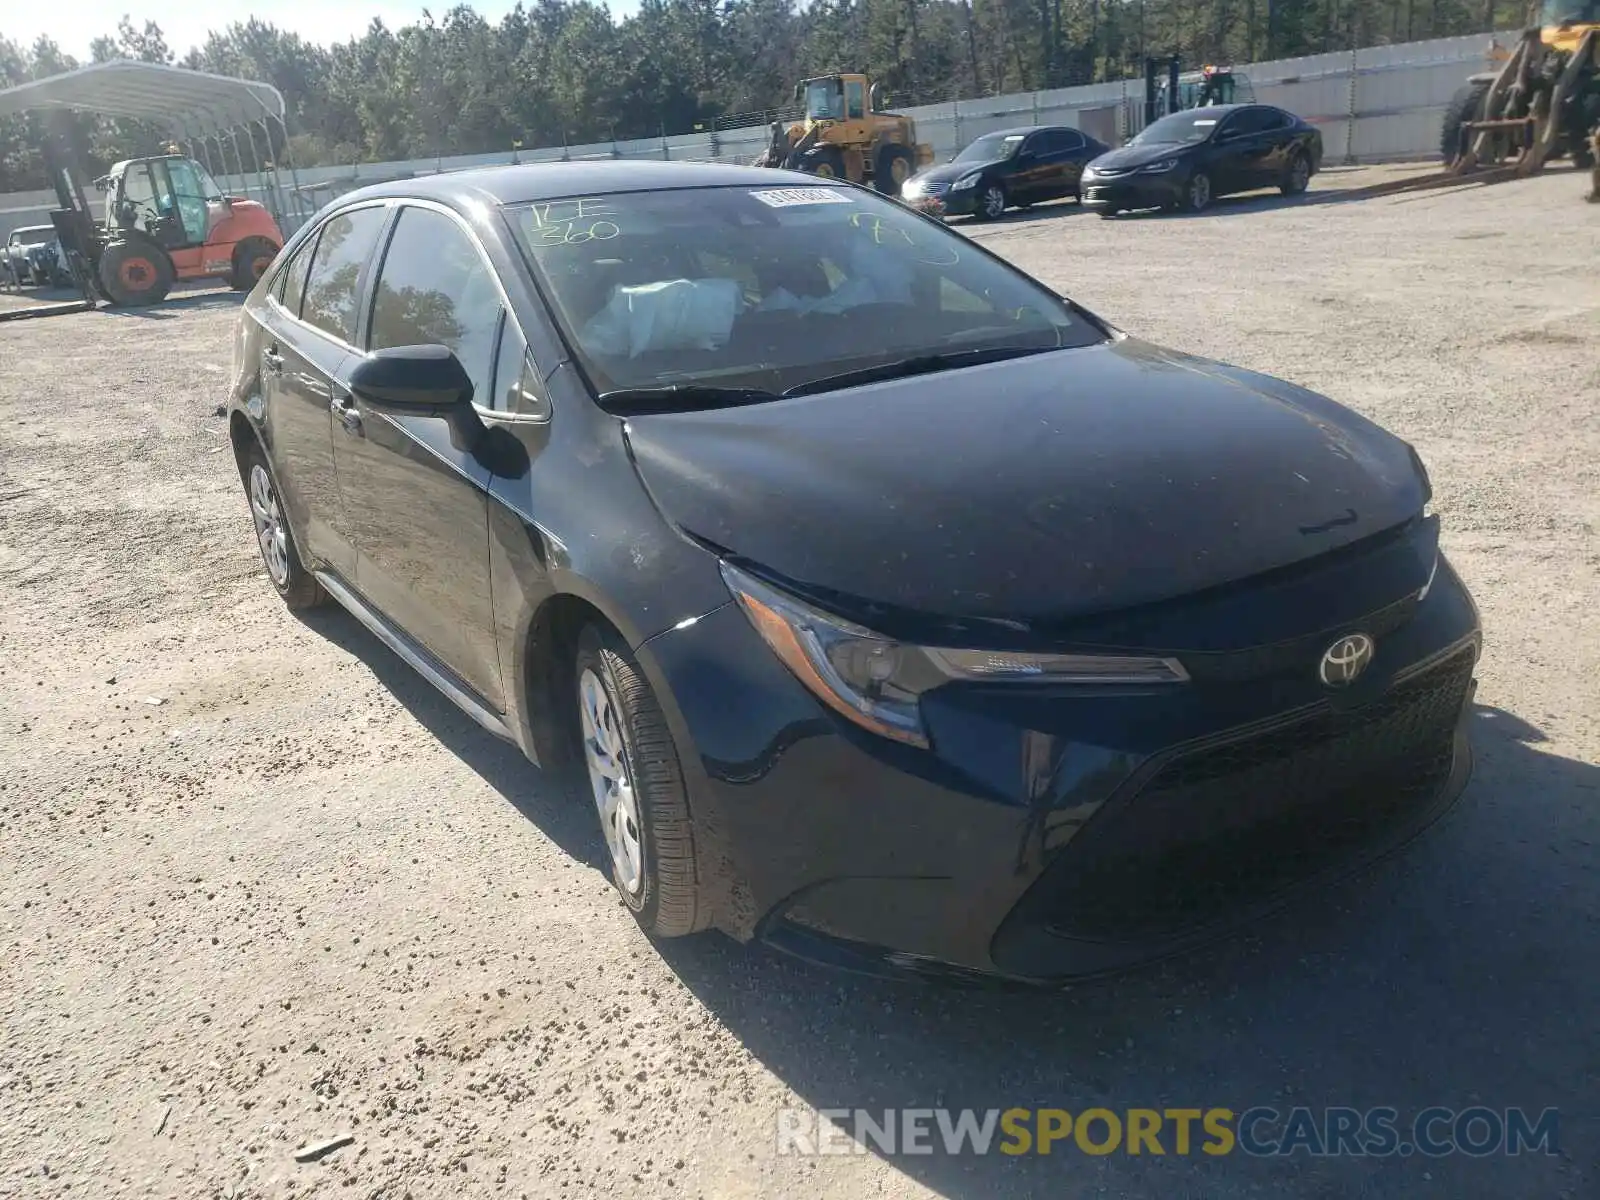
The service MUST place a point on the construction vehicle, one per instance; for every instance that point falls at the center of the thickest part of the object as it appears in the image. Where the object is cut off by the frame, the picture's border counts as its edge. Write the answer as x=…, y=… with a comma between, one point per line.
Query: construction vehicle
x=1208, y=86
x=166, y=220
x=1544, y=101
x=846, y=134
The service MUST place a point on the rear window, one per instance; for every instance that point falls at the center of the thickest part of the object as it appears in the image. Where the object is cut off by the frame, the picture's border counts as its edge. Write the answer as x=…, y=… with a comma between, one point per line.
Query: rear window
x=772, y=287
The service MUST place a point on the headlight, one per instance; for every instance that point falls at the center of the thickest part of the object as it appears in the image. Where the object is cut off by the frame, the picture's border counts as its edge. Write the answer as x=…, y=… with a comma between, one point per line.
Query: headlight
x=1156, y=168
x=1427, y=587
x=965, y=182
x=876, y=682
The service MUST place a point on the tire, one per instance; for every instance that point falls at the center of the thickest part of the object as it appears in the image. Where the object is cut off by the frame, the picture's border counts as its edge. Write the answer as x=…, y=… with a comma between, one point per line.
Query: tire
x=135, y=274
x=992, y=202
x=1298, y=176
x=1197, y=193
x=280, y=555
x=1107, y=213
x=251, y=258
x=825, y=162
x=1464, y=106
x=895, y=165
x=652, y=848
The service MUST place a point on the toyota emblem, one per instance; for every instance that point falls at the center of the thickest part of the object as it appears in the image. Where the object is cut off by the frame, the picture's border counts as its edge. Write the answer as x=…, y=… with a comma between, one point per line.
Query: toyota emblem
x=1343, y=662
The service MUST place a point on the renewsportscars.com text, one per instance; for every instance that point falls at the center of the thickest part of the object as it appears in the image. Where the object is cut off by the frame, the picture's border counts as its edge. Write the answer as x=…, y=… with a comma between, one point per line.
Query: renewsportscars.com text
x=1258, y=1131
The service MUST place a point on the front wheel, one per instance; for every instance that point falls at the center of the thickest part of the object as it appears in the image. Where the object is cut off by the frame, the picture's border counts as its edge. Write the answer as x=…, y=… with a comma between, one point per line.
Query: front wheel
x=991, y=202
x=638, y=789
x=1197, y=195
x=135, y=274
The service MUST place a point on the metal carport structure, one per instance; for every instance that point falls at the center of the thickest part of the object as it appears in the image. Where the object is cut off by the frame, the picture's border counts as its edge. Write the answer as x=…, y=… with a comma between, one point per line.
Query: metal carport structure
x=205, y=111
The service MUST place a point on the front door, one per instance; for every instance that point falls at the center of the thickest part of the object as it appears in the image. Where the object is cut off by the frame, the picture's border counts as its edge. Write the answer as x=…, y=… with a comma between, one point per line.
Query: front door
x=413, y=488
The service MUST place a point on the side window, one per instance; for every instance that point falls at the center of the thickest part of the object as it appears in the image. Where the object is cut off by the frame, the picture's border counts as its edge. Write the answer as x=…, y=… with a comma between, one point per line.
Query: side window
x=516, y=383
x=855, y=99
x=1068, y=141
x=435, y=289
x=342, y=250
x=292, y=279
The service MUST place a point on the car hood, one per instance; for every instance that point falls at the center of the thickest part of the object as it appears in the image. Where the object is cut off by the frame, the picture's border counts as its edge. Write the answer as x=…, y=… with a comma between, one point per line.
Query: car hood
x=950, y=172
x=1130, y=157
x=1032, y=491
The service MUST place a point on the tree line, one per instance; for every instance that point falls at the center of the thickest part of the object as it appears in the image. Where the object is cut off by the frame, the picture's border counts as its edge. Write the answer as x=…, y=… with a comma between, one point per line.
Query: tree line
x=565, y=71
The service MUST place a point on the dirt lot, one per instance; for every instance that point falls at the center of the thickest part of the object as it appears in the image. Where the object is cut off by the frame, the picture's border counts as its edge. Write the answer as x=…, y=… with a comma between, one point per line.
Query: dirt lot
x=261, y=886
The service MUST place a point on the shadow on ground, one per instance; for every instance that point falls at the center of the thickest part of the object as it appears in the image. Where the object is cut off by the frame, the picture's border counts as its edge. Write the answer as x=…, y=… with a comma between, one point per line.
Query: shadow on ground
x=556, y=804
x=1461, y=973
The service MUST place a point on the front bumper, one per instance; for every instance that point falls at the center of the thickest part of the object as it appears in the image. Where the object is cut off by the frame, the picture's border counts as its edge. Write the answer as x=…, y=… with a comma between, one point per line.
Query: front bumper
x=1054, y=834
x=1132, y=191
x=946, y=203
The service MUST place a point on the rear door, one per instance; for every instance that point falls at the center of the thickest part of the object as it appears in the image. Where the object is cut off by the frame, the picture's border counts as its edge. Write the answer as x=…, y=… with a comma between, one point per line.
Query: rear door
x=311, y=329
x=414, y=490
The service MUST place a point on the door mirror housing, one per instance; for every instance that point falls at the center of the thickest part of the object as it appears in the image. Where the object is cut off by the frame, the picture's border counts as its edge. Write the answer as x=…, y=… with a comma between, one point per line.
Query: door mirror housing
x=413, y=381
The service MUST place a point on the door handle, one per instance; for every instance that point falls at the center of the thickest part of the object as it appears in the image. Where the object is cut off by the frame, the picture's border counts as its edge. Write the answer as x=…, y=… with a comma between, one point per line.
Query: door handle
x=272, y=361
x=343, y=408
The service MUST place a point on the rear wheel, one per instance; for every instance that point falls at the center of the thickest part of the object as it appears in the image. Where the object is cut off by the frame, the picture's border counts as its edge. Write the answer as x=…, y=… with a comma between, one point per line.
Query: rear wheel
x=251, y=258
x=1298, y=177
x=297, y=586
x=637, y=787
x=1466, y=105
x=894, y=166
x=135, y=274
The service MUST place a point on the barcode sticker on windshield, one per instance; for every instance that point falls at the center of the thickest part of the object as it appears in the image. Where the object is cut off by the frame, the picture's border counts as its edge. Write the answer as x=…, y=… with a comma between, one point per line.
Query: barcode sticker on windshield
x=788, y=197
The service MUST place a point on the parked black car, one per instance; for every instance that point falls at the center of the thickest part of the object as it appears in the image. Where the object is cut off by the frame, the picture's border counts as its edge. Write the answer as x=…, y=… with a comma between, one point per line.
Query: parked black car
x=897, y=611
x=1010, y=168
x=1186, y=160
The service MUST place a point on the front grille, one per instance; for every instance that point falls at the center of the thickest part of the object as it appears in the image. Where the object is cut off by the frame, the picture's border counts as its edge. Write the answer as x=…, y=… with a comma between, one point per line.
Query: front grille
x=1299, y=655
x=1222, y=822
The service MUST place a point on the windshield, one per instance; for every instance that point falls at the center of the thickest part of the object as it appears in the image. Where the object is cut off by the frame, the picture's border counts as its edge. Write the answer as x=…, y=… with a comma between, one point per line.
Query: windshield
x=994, y=146
x=33, y=237
x=824, y=100
x=773, y=288
x=1179, y=129
x=1570, y=12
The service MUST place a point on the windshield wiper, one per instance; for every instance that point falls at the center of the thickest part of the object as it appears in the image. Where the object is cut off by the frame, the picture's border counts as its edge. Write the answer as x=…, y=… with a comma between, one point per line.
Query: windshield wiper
x=917, y=364
x=680, y=397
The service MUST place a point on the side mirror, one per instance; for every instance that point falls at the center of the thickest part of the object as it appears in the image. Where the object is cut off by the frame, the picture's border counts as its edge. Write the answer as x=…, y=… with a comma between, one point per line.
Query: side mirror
x=421, y=381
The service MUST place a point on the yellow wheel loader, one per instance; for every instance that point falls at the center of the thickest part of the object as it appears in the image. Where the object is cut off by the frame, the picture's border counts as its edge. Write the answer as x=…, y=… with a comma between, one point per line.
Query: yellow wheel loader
x=846, y=135
x=1543, y=102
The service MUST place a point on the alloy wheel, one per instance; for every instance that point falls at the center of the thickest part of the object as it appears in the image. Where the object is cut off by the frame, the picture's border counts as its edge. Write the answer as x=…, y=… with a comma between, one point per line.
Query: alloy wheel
x=994, y=202
x=1199, y=192
x=1299, y=174
x=271, y=532
x=611, y=782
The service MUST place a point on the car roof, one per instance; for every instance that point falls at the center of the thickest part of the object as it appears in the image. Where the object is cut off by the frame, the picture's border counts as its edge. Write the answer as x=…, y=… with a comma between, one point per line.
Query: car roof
x=33, y=229
x=549, y=181
x=1021, y=129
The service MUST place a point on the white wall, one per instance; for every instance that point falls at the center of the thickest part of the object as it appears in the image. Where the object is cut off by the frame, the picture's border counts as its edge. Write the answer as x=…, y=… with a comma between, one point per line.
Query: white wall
x=1380, y=104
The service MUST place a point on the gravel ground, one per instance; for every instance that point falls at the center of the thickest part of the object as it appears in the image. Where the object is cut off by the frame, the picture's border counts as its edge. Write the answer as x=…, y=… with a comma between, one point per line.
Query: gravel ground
x=262, y=887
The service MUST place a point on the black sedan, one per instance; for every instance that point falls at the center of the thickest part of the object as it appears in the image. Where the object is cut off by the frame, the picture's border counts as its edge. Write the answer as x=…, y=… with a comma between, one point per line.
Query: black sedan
x=1010, y=168
x=1188, y=159
x=892, y=608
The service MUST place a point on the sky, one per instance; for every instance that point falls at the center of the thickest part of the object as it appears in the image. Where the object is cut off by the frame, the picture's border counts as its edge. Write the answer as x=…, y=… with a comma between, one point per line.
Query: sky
x=75, y=23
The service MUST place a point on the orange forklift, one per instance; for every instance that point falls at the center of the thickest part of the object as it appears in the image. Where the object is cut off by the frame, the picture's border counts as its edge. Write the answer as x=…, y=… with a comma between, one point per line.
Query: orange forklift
x=166, y=220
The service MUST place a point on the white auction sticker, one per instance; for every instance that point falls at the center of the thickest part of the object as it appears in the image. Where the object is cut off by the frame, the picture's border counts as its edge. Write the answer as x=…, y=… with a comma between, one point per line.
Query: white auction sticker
x=788, y=197
x=1212, y=121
